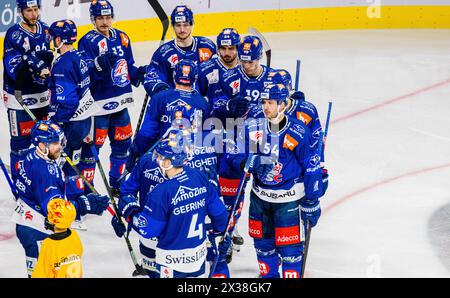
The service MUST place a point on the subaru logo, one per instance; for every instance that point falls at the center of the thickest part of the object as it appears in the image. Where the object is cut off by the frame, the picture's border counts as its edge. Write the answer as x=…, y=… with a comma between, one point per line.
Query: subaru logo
x=111, y=106
x=30, y=101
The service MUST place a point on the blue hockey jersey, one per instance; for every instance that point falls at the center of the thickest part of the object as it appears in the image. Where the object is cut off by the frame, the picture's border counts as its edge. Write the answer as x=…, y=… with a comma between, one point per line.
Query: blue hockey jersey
x=157, y=119
x=38, y=181
x=19, y=42
x=175, y=213
x=112, y=92
x=146, y=175
x=210, y=73
x=70, y=81
x=166, y=56
x=297, y=171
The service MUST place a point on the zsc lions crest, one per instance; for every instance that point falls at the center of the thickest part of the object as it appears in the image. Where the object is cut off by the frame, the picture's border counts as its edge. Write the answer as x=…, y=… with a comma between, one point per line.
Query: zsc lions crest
x=119, y=74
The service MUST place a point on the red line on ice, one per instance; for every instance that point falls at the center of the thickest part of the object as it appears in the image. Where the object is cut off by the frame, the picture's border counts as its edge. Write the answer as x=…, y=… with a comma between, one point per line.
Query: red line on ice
x=4, y=237
x=393, y=100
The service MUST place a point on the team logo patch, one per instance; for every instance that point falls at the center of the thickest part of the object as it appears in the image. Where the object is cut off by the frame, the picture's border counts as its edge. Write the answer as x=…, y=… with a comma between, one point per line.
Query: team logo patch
x=30, y=101
x=119, y=74
x=204, y=54
x=102, y=46
x=123, y=133
x=315, y=160
x=173, y=59
x=100, y=136
x=255, y=228
x=111, y=106
x=25, y=127
x=140, y=221
x=264, y=268
x=125, y=40
x=289, y=142
x=236, y=86
x=59, y=89
x=305, y=118
x=287, y=235
x=51, y=169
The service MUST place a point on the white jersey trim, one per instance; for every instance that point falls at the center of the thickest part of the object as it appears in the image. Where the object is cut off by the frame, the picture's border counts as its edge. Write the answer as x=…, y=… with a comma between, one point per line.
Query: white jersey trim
x=42, y=100
x=114, y=104
x=26, y=216
x=183, y=260
x=86, y=107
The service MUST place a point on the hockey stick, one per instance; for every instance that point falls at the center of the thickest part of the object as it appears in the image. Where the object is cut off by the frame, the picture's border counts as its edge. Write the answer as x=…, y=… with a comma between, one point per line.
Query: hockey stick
x=139, y=269
x=266, y=45
x=248, y=165
x=308, y=225
x=165, y=24
x=11, y=185
x=297, y=74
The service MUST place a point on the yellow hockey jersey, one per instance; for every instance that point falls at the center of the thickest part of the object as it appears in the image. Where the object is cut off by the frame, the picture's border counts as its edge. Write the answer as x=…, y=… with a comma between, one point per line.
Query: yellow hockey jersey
x=60, y=256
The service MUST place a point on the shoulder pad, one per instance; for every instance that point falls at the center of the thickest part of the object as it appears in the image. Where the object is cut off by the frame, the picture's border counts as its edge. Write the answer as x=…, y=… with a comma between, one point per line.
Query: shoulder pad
x=297, y=128
x=205, y=41
x=90, y=36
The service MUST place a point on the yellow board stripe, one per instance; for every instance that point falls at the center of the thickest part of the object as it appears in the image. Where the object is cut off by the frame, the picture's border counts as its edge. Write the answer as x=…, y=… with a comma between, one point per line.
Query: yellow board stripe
x=335, y=18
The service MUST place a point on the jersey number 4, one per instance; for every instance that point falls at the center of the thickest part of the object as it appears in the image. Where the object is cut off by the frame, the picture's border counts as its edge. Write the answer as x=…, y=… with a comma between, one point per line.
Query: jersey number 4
x=193, y=230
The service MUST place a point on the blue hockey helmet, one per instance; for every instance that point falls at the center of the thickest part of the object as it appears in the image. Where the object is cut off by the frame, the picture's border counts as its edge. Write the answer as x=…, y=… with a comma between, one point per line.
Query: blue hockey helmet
x=228, y=37
x=174, y=147
x=47, y=132
x=277, y=92
x=251, y=48
x=185, y=72
x=23, y=4
x=281, y=76
x=65, y=29
x=100, y=8
x=182, y=13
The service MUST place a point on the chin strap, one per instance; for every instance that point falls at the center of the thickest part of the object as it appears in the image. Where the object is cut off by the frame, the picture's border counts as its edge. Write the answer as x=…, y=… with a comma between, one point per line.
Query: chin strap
x=44, y=154
x=277, y=119
x=163, y=169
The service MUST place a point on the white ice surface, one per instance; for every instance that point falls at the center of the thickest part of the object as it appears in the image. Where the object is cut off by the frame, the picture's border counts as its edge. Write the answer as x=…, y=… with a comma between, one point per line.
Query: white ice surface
x=382, y=230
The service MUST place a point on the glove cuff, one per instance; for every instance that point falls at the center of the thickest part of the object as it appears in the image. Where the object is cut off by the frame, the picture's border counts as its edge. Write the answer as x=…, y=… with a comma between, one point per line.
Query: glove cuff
x=310, y=209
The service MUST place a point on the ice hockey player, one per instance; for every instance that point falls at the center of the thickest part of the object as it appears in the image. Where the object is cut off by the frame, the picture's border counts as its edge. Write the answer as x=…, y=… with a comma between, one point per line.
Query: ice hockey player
x=60, y=254
x=146, y=175
x=240, y=89
x=289, y=194
x=27, y=45
x=157, y=117
x=40, y=180
x=109, y=49
x=175, y=213
x=185, y=46
x=303, y=110
x=72, y=102
x=244, y=82
x=212, y=71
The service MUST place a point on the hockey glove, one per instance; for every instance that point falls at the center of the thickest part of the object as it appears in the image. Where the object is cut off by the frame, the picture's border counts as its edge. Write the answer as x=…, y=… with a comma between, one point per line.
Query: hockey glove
x=261, y=166
x=91, y=204
x=158, y=87
x=105, y=63
x=128, y=206
x=119, y=227
x=310, y=212
x=298, y=95
x=237, y=106
x=36, y=66
x=141, y=72
x=46, y=56
x=223, y=248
